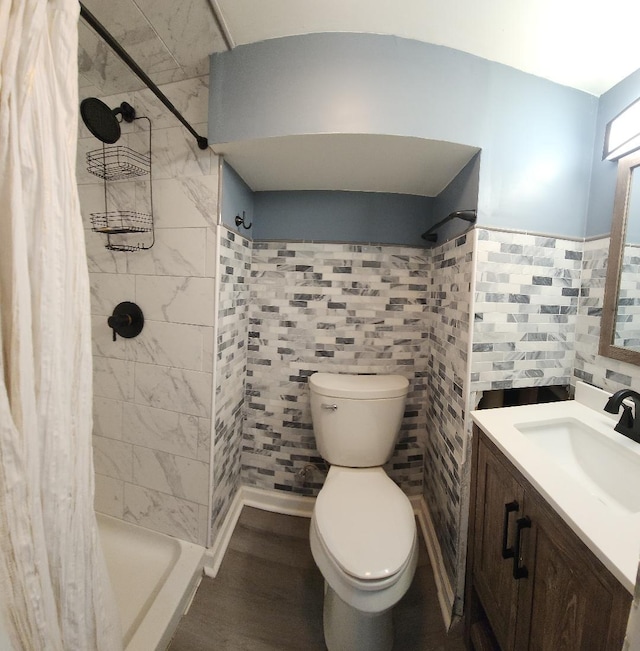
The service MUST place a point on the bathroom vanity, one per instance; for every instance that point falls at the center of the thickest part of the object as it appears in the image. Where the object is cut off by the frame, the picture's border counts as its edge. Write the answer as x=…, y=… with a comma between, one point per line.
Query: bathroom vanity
x=554, y=533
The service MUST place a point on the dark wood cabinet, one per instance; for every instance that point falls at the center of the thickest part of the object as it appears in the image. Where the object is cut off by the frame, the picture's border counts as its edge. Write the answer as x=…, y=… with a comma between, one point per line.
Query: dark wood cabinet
x=496, y=514
x=532, y=584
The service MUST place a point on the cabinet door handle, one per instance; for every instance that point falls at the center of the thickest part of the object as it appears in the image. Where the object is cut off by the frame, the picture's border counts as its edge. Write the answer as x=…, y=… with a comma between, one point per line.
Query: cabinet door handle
x=520, y=571
x=510, y=507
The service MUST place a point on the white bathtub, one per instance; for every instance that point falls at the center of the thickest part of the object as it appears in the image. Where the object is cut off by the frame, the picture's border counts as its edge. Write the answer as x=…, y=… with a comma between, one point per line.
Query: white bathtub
x=153, y=576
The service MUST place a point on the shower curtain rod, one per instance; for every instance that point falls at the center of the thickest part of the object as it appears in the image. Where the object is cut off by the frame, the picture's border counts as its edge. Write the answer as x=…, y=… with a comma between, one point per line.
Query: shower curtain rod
x=203, y=143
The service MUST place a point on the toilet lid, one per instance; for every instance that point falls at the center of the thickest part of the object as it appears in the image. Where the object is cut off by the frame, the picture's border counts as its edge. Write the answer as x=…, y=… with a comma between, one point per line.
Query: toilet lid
x=366, y=522
x=359, y=387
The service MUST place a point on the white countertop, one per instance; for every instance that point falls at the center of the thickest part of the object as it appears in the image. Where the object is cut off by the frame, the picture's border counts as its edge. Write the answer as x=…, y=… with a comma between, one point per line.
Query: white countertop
x=612, y=534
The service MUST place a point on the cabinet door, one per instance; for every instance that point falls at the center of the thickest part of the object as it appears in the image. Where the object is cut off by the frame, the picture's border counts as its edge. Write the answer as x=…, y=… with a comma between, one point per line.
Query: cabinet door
x=499, y=502
x=569, y=600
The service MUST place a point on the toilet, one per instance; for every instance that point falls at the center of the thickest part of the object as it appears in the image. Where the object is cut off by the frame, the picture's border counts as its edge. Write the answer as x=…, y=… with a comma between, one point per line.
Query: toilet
x=363, y=533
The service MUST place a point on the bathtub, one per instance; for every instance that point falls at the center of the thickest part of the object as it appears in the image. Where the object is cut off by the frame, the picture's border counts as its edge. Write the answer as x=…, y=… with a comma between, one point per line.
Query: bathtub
x=154, y=578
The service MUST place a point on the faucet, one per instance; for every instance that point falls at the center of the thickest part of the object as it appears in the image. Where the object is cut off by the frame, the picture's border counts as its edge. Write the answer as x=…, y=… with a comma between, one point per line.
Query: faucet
x=629, y=425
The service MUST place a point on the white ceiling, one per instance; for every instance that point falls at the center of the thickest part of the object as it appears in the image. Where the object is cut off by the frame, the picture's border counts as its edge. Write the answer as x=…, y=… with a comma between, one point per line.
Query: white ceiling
x=585, y=44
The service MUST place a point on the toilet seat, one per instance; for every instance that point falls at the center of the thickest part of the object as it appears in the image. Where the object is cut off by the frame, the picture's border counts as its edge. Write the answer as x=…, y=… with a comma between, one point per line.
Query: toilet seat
x=366, y=525
x=354, y=583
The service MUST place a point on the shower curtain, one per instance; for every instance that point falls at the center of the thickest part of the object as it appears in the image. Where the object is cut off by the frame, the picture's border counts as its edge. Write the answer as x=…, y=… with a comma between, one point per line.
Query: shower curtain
x=54, y=591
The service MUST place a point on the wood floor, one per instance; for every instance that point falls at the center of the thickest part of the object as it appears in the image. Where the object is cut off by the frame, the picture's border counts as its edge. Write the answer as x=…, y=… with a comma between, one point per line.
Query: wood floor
x=268, y=596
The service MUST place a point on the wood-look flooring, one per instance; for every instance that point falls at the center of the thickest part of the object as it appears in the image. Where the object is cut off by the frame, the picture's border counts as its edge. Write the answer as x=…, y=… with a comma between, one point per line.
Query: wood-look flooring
x=268, y=596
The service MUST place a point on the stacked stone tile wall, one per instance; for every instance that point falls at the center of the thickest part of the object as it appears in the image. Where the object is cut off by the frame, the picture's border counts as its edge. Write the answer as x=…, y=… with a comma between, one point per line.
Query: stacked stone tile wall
x=445, y=346
x=336, y=308
x=526, y=301
x=232, y=317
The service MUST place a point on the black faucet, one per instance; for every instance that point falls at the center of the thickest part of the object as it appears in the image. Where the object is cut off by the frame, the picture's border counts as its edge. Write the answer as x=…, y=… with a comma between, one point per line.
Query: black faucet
x=629, y=425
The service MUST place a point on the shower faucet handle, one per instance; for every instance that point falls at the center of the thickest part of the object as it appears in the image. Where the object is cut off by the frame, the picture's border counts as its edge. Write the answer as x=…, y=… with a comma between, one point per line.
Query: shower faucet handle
x=119, y=321
x=127, y=320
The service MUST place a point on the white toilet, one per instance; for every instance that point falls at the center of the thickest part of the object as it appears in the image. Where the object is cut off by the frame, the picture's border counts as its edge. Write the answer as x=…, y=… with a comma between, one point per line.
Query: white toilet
x=363, y=533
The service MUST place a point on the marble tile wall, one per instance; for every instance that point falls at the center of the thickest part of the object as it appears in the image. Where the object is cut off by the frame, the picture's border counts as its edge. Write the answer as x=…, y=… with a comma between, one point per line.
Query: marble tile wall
x=445, y=346
x=527, y=289
x=165, y=42
x=336, y=308
x=152, y=394
x=608, y=374
x=233, y=319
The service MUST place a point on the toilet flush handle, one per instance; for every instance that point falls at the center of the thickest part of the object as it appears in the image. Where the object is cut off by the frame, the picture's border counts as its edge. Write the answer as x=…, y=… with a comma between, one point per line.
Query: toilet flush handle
x=330, y=407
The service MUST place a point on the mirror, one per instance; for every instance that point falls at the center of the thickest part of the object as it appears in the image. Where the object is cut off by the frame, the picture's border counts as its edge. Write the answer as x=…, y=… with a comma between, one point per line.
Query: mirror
x=620, y=328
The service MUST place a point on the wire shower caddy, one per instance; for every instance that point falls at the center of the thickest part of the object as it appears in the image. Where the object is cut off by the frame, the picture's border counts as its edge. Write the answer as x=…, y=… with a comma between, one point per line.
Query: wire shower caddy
x=118, y=163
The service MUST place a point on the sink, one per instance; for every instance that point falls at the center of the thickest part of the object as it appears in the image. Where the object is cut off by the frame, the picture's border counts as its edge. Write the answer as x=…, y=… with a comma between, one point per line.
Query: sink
x=606, y=468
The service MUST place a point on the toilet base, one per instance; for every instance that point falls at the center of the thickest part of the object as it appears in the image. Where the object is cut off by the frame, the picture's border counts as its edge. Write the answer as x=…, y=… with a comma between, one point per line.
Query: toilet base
x=348, y=629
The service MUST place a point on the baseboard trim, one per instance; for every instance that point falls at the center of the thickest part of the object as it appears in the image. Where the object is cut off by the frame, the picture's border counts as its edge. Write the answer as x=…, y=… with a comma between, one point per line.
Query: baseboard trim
x=443, y=585
x=278, y=501
x=302, y=506
x=214, y=555
x=259, y=498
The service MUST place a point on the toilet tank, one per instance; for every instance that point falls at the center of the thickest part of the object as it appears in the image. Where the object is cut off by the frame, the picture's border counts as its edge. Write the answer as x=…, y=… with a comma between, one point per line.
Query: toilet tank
x=356, y=418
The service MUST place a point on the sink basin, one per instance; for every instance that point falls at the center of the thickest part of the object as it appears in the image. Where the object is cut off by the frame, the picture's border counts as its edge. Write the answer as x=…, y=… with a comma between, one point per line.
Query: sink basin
x=606, y=468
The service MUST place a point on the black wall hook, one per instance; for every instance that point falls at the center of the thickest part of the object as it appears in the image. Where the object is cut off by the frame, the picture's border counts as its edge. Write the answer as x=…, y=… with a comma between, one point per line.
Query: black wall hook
x=240, y=221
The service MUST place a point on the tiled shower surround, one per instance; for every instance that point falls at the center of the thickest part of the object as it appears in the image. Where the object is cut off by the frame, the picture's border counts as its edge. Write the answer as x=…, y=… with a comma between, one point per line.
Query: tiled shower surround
x=152, y=394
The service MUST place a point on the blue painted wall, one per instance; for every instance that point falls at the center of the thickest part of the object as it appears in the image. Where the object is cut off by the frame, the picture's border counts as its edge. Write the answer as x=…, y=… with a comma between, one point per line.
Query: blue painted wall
x=603, y=176
x=237, y=197
x=364, y=217
x=536, y=136
x=342, y=217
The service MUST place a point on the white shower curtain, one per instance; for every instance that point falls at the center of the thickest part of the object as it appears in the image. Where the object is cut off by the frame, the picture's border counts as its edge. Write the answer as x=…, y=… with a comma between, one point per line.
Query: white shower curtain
x=54, y=592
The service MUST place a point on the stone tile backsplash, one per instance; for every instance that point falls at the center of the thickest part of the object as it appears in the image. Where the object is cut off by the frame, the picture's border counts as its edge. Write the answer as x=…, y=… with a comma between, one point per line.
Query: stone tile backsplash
x=527, y=290
x=335, y=308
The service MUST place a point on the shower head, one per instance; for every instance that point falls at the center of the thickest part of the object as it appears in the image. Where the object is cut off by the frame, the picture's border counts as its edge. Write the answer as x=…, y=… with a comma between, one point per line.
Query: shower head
x=102, y=121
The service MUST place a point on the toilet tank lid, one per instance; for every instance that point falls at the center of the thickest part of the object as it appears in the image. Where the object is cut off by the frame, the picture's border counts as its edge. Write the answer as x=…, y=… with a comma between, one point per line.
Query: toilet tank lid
x=359, y=387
